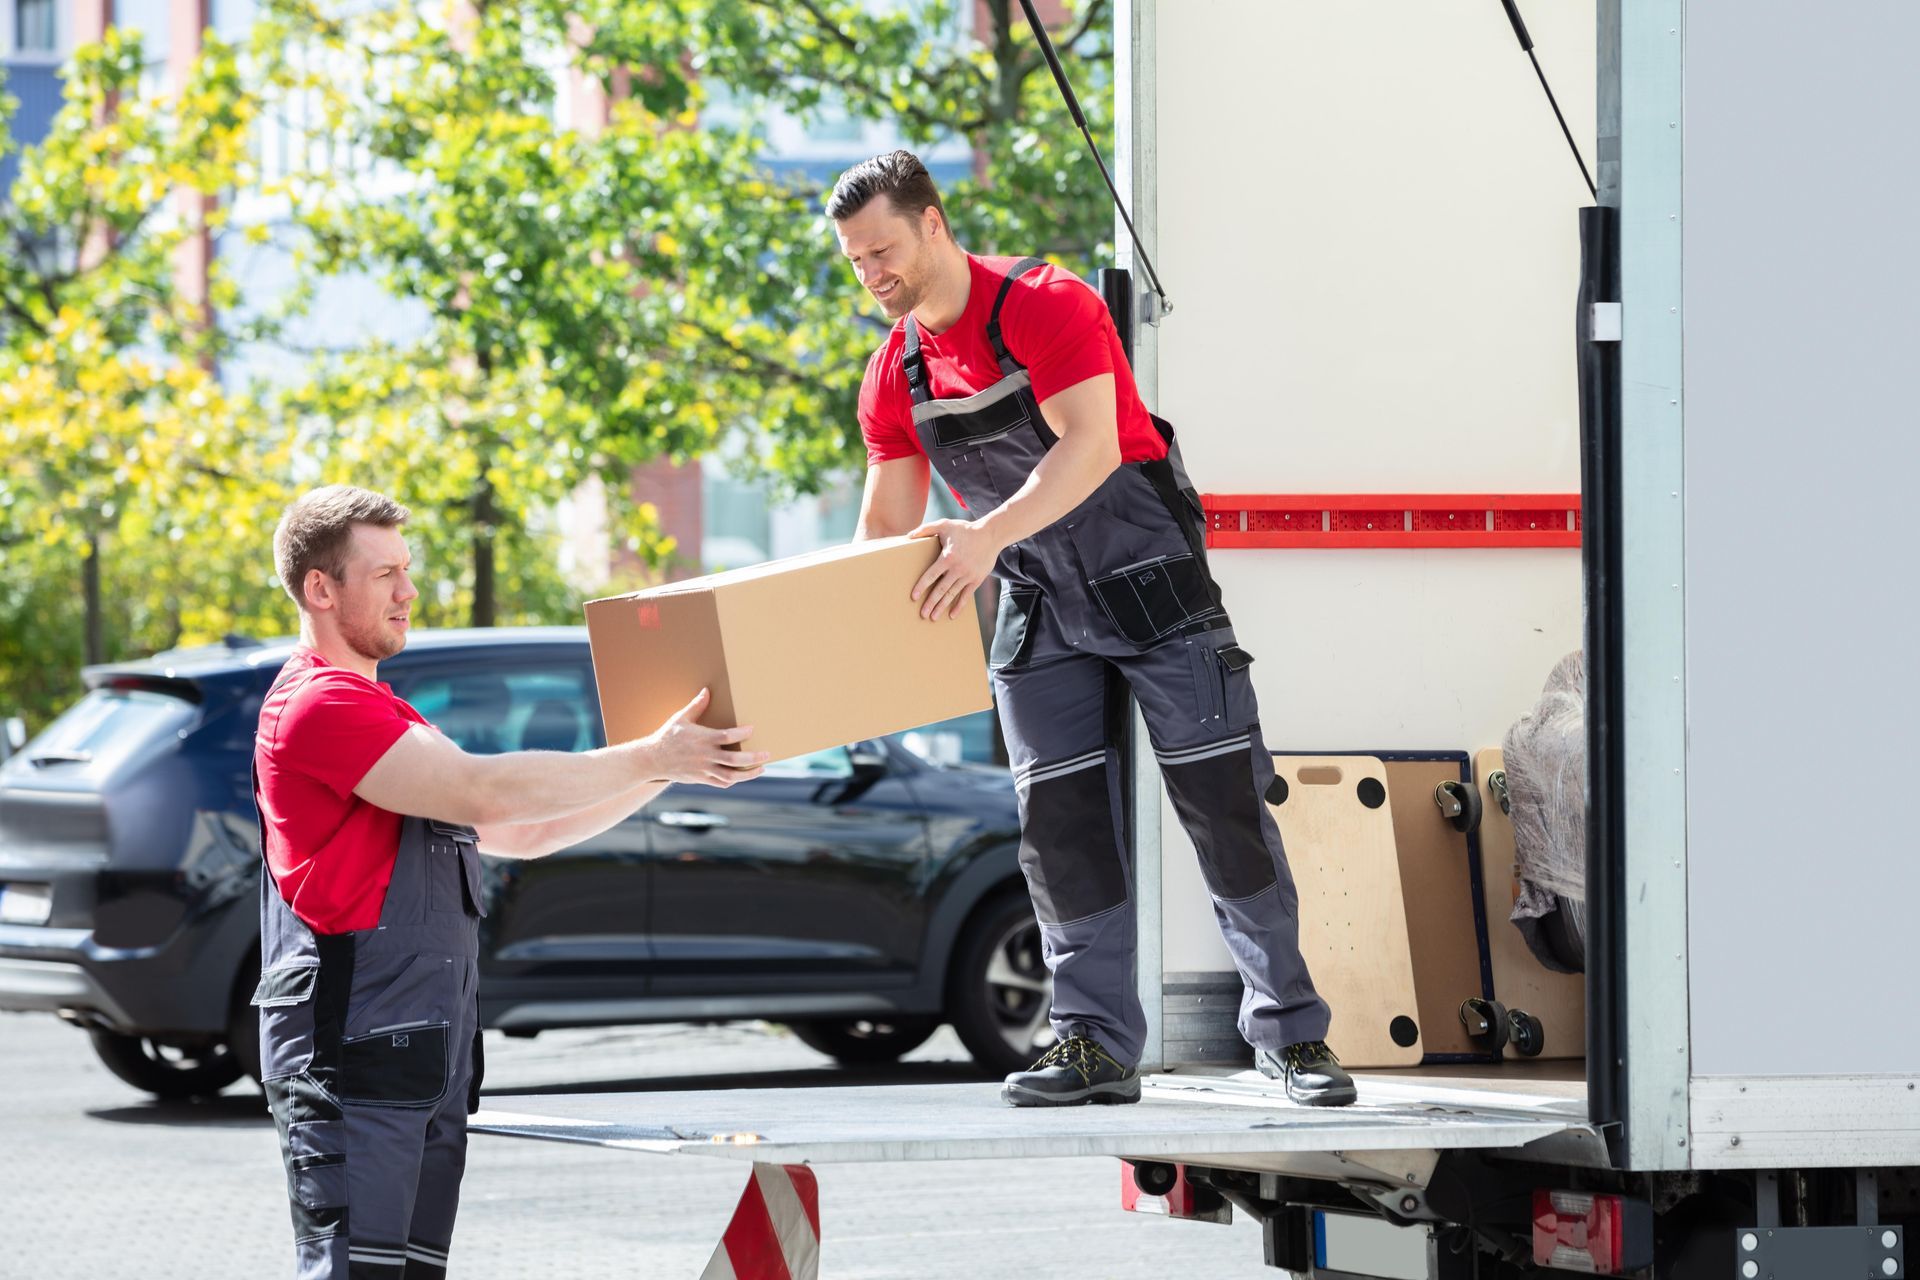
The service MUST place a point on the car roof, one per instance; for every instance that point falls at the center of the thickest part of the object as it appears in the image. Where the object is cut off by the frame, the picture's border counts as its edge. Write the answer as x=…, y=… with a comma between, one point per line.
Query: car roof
x=237, y=654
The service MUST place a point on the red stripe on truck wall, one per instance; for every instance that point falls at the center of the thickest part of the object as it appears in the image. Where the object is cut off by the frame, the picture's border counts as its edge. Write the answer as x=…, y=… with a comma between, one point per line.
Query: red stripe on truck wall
x=1358, y=520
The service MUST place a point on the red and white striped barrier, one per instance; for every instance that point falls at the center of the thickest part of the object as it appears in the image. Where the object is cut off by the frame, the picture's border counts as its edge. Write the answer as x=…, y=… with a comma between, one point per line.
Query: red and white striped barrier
x=775, y=1232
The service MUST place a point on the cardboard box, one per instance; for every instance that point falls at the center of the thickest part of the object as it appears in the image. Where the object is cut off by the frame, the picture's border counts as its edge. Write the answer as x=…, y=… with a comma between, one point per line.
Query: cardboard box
x=816, y=651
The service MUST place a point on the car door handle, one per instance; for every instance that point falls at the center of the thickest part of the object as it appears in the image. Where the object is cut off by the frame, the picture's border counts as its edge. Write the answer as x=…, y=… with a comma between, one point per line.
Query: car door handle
x=690, y=820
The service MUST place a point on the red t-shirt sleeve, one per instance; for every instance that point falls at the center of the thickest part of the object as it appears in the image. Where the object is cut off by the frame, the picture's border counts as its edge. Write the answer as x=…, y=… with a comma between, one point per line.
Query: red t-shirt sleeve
x=336, y=727
x=886, y=413
x=1059, y=328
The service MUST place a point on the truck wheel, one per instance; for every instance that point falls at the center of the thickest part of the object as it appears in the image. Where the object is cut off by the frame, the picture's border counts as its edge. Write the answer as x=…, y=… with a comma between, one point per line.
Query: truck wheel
x=998, y=989
x=861, y=1042
x=166, y=1071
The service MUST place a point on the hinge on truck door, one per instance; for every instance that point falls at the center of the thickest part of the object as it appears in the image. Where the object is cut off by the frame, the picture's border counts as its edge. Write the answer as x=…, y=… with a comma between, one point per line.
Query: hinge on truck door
x=1603, y=322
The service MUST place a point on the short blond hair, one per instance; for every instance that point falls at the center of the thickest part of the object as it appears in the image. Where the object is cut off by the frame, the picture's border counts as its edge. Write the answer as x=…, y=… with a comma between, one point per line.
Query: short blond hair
x=318, y=528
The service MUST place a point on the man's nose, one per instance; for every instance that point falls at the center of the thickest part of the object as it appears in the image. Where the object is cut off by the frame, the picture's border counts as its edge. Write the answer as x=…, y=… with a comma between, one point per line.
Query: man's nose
x=407, y=591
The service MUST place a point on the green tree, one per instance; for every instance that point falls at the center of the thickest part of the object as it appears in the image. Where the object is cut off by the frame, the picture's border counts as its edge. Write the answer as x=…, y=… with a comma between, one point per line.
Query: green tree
x=122, y=460
x=595, y=299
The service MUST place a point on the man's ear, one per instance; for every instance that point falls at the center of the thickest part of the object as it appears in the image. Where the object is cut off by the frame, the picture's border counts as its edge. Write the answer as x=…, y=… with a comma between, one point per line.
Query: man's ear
x=934, y=228
x=318, y=590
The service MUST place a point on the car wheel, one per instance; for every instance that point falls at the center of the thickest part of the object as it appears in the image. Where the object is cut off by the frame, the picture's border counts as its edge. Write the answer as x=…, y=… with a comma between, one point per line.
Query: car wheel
x=243, y=1022
x=999, y=991
x=865, y=1041
x=166, y=1071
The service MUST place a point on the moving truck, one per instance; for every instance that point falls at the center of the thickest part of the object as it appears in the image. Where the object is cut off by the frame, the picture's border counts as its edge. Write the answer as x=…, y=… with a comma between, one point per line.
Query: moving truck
x=1458, y=417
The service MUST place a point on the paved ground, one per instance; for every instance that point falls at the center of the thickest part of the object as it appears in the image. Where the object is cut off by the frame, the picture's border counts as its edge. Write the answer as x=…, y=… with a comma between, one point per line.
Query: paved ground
x=98, y=1182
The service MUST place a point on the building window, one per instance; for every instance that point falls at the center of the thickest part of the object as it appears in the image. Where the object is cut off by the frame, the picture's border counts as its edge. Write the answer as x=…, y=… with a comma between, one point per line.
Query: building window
x=34, y=26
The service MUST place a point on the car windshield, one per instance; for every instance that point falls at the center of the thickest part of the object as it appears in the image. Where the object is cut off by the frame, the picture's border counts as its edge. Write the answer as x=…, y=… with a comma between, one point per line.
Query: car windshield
x=105, y=724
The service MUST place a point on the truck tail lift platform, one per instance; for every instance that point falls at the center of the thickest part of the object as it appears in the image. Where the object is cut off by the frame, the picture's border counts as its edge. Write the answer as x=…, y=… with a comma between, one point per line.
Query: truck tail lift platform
x=1388, y=1147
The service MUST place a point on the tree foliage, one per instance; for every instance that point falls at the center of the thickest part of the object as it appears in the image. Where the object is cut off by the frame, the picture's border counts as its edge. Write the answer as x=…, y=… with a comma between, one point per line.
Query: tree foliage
x=123, y=462
x=571, y=301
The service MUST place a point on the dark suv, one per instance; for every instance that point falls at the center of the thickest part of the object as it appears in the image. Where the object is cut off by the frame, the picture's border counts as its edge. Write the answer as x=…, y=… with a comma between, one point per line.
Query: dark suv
x=862, y=895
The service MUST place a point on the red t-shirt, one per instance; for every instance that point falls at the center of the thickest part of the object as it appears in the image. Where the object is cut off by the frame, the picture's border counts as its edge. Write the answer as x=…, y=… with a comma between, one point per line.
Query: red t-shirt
x=1051, y=322
x=321, y=729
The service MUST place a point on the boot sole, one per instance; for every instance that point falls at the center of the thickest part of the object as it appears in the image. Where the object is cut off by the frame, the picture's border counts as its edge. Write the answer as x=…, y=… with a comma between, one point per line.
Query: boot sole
x=1116, y=1094
x=1331, y=1098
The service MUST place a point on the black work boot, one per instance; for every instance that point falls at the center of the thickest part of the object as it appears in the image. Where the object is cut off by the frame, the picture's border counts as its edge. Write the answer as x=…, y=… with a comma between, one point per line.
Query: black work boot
x=1073, y=1072
x=1314, y=1076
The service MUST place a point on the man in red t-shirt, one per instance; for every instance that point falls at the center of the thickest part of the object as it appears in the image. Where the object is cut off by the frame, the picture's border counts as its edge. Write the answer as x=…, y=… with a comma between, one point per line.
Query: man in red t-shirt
x=1009, y=378
x=371, y=822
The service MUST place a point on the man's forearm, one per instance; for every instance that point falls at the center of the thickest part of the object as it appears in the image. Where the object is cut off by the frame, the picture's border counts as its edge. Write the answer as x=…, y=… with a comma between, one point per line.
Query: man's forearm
x=1065, y=478
x=538, y=839
x=540, y=786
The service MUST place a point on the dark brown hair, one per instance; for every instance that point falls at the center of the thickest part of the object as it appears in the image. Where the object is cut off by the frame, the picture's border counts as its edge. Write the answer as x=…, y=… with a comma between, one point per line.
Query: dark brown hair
x=318, y=528
x=897, y=175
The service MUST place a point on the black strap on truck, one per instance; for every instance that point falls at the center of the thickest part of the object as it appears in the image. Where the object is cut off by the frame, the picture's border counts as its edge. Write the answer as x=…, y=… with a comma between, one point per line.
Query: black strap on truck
x=1073, y=107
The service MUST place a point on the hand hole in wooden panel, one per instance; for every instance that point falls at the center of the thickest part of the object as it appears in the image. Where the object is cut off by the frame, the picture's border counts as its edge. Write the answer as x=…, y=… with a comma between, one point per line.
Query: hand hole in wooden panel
x=1320, y=775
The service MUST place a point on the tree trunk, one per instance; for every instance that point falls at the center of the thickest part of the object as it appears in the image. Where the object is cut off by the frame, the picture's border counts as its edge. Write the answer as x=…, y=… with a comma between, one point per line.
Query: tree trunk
x=96, y=631
x=485, y=608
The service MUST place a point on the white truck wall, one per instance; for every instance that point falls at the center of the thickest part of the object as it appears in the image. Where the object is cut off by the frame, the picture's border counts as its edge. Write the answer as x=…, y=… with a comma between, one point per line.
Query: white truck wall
x=1801, y=445
x=1365, y=218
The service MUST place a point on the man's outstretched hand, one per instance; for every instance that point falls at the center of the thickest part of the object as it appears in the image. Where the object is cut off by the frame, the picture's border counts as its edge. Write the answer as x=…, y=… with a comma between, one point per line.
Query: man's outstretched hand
x=684, y=750
x=967, y=554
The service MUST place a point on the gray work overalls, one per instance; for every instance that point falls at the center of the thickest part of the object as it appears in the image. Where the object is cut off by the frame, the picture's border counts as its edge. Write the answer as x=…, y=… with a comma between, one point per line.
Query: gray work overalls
x=1120, y=587
x=369, y=1052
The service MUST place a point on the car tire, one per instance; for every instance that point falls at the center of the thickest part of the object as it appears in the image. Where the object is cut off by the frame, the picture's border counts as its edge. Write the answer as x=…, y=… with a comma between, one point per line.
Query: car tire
x=998, y=988
x=243, y=1020
x=859, y=1042
x=169, y=1072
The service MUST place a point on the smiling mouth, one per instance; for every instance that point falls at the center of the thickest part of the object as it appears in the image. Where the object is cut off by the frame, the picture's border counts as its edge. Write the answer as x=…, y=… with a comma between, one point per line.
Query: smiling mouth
x=888, y=292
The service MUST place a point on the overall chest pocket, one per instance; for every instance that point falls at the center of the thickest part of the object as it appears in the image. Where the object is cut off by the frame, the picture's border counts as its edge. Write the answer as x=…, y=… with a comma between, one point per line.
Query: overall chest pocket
x=990, y=415
x=454, y=881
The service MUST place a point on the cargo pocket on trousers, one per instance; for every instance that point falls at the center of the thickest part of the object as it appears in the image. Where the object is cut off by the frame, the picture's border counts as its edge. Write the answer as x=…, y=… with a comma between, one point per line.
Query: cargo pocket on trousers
x=317, y=1178
x=1242, y=709
x=284, y=997
x=395, y=1066
x=1149, y=601
x=1013, y=628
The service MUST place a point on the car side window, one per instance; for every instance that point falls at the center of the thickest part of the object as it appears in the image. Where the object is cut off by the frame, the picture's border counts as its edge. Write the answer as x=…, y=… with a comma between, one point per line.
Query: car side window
x=488, y=710
x=835, y=762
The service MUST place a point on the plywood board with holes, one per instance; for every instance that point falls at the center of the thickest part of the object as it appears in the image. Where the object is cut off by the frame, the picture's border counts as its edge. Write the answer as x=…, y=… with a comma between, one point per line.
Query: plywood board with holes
x=1520, y=981
x=1437, y=881
x=1336, y=820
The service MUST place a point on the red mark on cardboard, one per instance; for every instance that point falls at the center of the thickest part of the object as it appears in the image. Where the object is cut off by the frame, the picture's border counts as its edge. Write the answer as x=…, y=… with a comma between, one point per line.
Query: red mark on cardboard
x=649, y=616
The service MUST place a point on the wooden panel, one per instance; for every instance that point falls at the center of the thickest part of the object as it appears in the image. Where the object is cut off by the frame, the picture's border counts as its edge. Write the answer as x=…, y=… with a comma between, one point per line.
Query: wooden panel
x=1353, y=920
x=1436, y=879
x=1559, y=1000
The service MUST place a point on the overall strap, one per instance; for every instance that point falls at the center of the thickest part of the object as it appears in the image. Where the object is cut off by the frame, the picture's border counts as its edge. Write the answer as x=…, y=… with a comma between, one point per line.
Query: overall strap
x=259, y=813
x=914, y=364
x=1007, y=363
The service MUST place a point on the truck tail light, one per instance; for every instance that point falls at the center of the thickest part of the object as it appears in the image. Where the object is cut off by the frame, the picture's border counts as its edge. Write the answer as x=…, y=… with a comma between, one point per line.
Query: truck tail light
x=1601, y=1235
